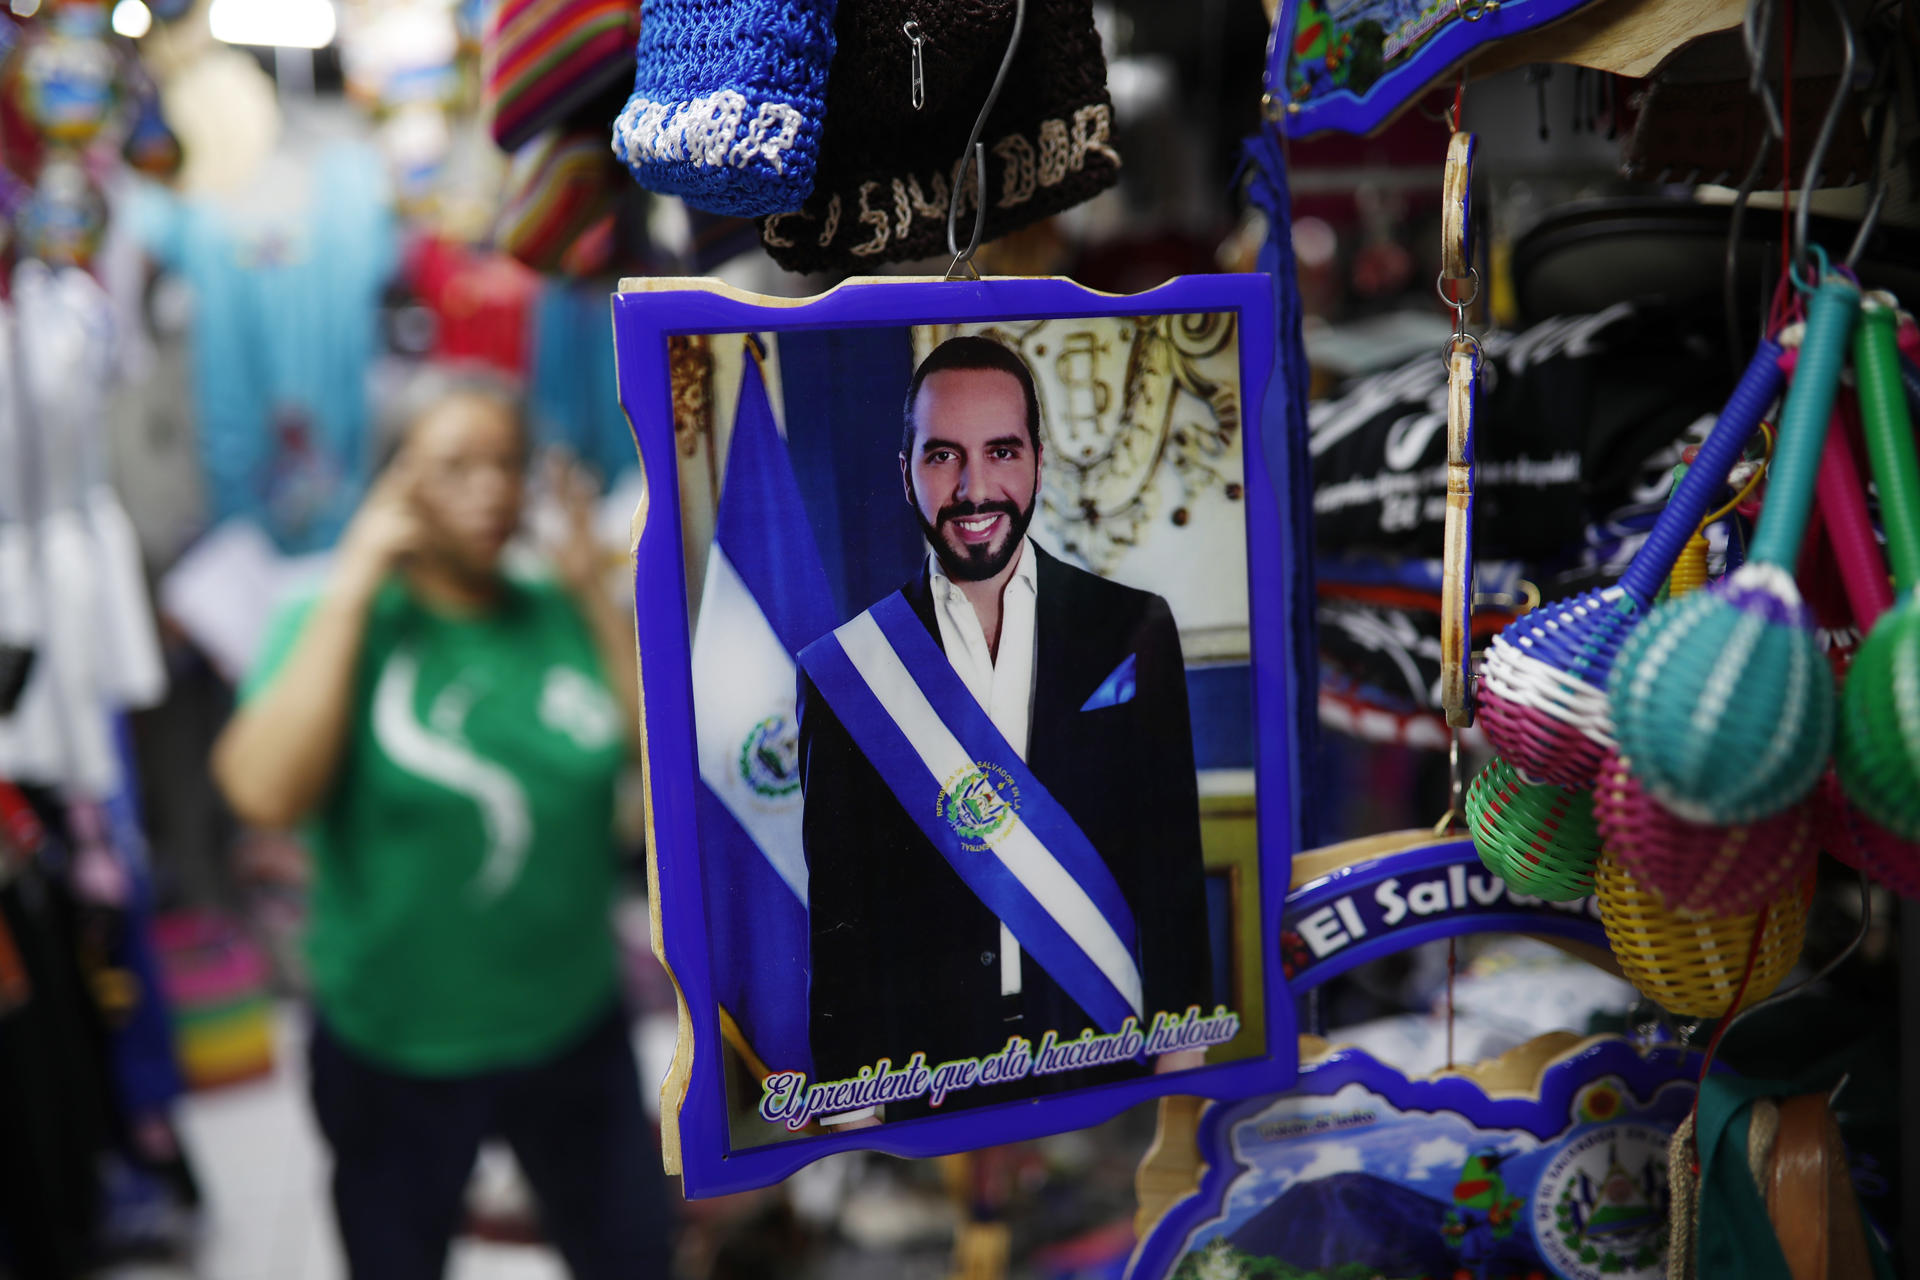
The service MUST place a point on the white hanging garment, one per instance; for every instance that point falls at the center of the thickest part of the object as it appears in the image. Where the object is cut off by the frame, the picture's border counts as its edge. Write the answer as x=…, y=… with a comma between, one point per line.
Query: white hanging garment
x=130, y=668
x=30, y=741
x=61, y=375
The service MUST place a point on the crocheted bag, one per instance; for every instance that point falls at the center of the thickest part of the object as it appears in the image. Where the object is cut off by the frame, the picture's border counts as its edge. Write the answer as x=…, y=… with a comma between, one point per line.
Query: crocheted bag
x=728, y=102
x=543, y=58
x=887, y=169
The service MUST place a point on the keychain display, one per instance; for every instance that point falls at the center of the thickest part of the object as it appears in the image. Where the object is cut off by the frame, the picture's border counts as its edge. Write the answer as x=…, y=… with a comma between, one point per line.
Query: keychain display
x=1463, y=387
x=66, y=85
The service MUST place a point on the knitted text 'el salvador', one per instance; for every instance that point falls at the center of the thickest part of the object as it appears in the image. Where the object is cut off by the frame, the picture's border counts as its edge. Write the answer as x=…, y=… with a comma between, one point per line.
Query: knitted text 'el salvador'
x=729, y=97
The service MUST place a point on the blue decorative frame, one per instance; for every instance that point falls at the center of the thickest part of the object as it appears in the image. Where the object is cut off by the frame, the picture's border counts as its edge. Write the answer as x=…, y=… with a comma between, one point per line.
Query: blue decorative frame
x=1644, y=1074
x=1340, y=110
x=1455, y=867
x=644, y=316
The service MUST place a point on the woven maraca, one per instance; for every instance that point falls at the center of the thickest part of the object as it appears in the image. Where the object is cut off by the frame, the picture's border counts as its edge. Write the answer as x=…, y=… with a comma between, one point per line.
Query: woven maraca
x=1722, y=700
x=1693, y=967
x=1543, y=700
x=1537, y=837
x=1877, y=750
x=1699, y=868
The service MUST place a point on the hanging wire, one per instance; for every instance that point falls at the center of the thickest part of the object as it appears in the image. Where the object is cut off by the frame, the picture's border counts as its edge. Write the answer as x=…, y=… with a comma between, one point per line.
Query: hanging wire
x=976, y=154
x=1826, y=971
x=1876, y=178
x=1756, y=34
x=1817, y=156
x=1729, y=277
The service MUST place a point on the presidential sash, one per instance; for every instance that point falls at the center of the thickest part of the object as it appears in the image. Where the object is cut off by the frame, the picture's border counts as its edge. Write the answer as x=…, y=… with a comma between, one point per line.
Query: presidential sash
x=973, y=797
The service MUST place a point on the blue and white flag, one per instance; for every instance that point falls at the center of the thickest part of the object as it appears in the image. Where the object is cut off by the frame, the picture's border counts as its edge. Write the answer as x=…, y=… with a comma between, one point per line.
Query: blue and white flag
x=765, y=598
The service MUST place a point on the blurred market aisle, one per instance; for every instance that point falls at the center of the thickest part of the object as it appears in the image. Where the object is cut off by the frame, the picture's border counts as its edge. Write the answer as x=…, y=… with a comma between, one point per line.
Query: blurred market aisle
x=264, y=1171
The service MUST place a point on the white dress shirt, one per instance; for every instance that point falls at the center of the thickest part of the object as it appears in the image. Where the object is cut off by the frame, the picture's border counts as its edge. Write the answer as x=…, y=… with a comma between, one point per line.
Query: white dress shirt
x=1003, y=686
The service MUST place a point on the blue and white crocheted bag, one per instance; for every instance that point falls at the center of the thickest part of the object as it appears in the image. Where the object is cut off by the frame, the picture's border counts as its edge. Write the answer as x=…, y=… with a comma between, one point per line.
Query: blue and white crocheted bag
x=729, y=101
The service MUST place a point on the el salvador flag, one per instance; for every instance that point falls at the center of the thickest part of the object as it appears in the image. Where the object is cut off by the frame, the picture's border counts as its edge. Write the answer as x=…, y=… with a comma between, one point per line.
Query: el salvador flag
x=766, y=597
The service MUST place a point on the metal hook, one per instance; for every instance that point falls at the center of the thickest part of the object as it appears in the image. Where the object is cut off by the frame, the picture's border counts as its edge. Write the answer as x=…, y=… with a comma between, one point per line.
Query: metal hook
x=1756, y=33
x=1826, y=970
x=1876, y=179
x=1730, y=293
x=1817, y=156
x=976, y=152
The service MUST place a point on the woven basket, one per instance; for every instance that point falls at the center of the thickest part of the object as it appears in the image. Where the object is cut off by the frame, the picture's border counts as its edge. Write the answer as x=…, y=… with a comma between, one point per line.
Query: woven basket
x=1692, y=968
x=1698, y=868
x=1537, y=837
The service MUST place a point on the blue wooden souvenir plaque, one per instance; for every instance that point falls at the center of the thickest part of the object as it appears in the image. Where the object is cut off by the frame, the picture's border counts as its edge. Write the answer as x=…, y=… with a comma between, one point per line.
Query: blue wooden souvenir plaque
x=780, y=517
x=1350, y=66
x=1360, y=1171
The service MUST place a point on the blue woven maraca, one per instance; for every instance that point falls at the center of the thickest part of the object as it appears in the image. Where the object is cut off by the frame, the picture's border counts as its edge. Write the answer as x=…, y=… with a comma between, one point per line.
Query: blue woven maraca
x=1722, y=700
x=1543, y=699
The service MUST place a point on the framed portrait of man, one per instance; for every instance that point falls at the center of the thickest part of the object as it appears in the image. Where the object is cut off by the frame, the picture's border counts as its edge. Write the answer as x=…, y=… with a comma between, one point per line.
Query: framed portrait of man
x=966, y=615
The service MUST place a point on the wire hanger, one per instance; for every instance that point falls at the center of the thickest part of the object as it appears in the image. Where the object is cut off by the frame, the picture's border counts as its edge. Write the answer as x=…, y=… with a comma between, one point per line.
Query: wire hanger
x=1842, y=93
x=976, y=154
x=1756, y=34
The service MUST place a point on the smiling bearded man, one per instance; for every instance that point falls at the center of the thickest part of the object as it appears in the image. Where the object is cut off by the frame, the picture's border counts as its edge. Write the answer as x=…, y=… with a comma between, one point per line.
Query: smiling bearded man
x=1002, y=824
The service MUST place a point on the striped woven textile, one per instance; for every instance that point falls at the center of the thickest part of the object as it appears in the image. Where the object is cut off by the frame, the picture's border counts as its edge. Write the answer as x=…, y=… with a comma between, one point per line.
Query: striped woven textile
x=543, y=58
x=561, y=188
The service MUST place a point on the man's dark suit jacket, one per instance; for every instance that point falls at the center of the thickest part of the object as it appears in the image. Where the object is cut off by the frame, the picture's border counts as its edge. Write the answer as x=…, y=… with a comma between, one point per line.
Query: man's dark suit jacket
x=904, y=957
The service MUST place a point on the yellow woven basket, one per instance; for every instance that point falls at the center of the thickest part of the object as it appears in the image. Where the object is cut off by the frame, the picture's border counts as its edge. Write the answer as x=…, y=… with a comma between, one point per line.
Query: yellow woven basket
x=1691, y=967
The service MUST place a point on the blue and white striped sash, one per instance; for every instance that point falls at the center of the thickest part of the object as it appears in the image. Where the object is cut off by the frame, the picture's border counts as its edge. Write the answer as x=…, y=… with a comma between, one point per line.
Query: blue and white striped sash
x=970, y=793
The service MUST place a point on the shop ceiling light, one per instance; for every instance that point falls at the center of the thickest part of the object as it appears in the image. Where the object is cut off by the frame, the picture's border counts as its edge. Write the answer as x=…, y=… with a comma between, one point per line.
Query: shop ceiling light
x=132, y=19
x=286, y=24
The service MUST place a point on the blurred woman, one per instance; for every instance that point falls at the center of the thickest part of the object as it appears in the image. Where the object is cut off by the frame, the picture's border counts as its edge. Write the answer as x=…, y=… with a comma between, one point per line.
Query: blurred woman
x=451, y=736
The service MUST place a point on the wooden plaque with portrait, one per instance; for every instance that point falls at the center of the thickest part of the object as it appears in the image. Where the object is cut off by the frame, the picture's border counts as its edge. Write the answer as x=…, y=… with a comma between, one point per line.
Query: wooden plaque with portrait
x=969, y=617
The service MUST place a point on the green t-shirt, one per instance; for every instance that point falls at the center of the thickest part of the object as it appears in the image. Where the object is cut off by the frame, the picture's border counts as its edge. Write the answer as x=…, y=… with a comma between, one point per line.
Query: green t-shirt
x=464, y=858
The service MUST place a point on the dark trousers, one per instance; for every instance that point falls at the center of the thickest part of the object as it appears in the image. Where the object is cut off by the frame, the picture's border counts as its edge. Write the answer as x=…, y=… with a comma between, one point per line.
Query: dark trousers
x=404, y=1146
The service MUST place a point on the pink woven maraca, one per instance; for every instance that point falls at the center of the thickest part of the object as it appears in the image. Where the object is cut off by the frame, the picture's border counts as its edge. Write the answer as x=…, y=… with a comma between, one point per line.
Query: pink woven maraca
x=1543, y=688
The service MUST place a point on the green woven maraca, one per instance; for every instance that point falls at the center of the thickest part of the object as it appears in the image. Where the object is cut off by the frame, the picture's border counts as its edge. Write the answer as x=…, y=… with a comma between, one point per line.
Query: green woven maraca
x=1722, y=699
x=1877, y=752
x=1539, y=838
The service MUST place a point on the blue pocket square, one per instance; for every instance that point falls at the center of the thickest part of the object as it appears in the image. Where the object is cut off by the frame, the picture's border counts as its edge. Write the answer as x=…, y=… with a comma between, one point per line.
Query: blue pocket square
x=1115, y=689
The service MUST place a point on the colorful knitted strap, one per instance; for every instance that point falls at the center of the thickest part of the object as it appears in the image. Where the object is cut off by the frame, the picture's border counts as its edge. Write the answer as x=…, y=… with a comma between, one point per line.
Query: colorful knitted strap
x=1758, y=388
x=1803, y=423
x=1849, y=527
x=1889, y=432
